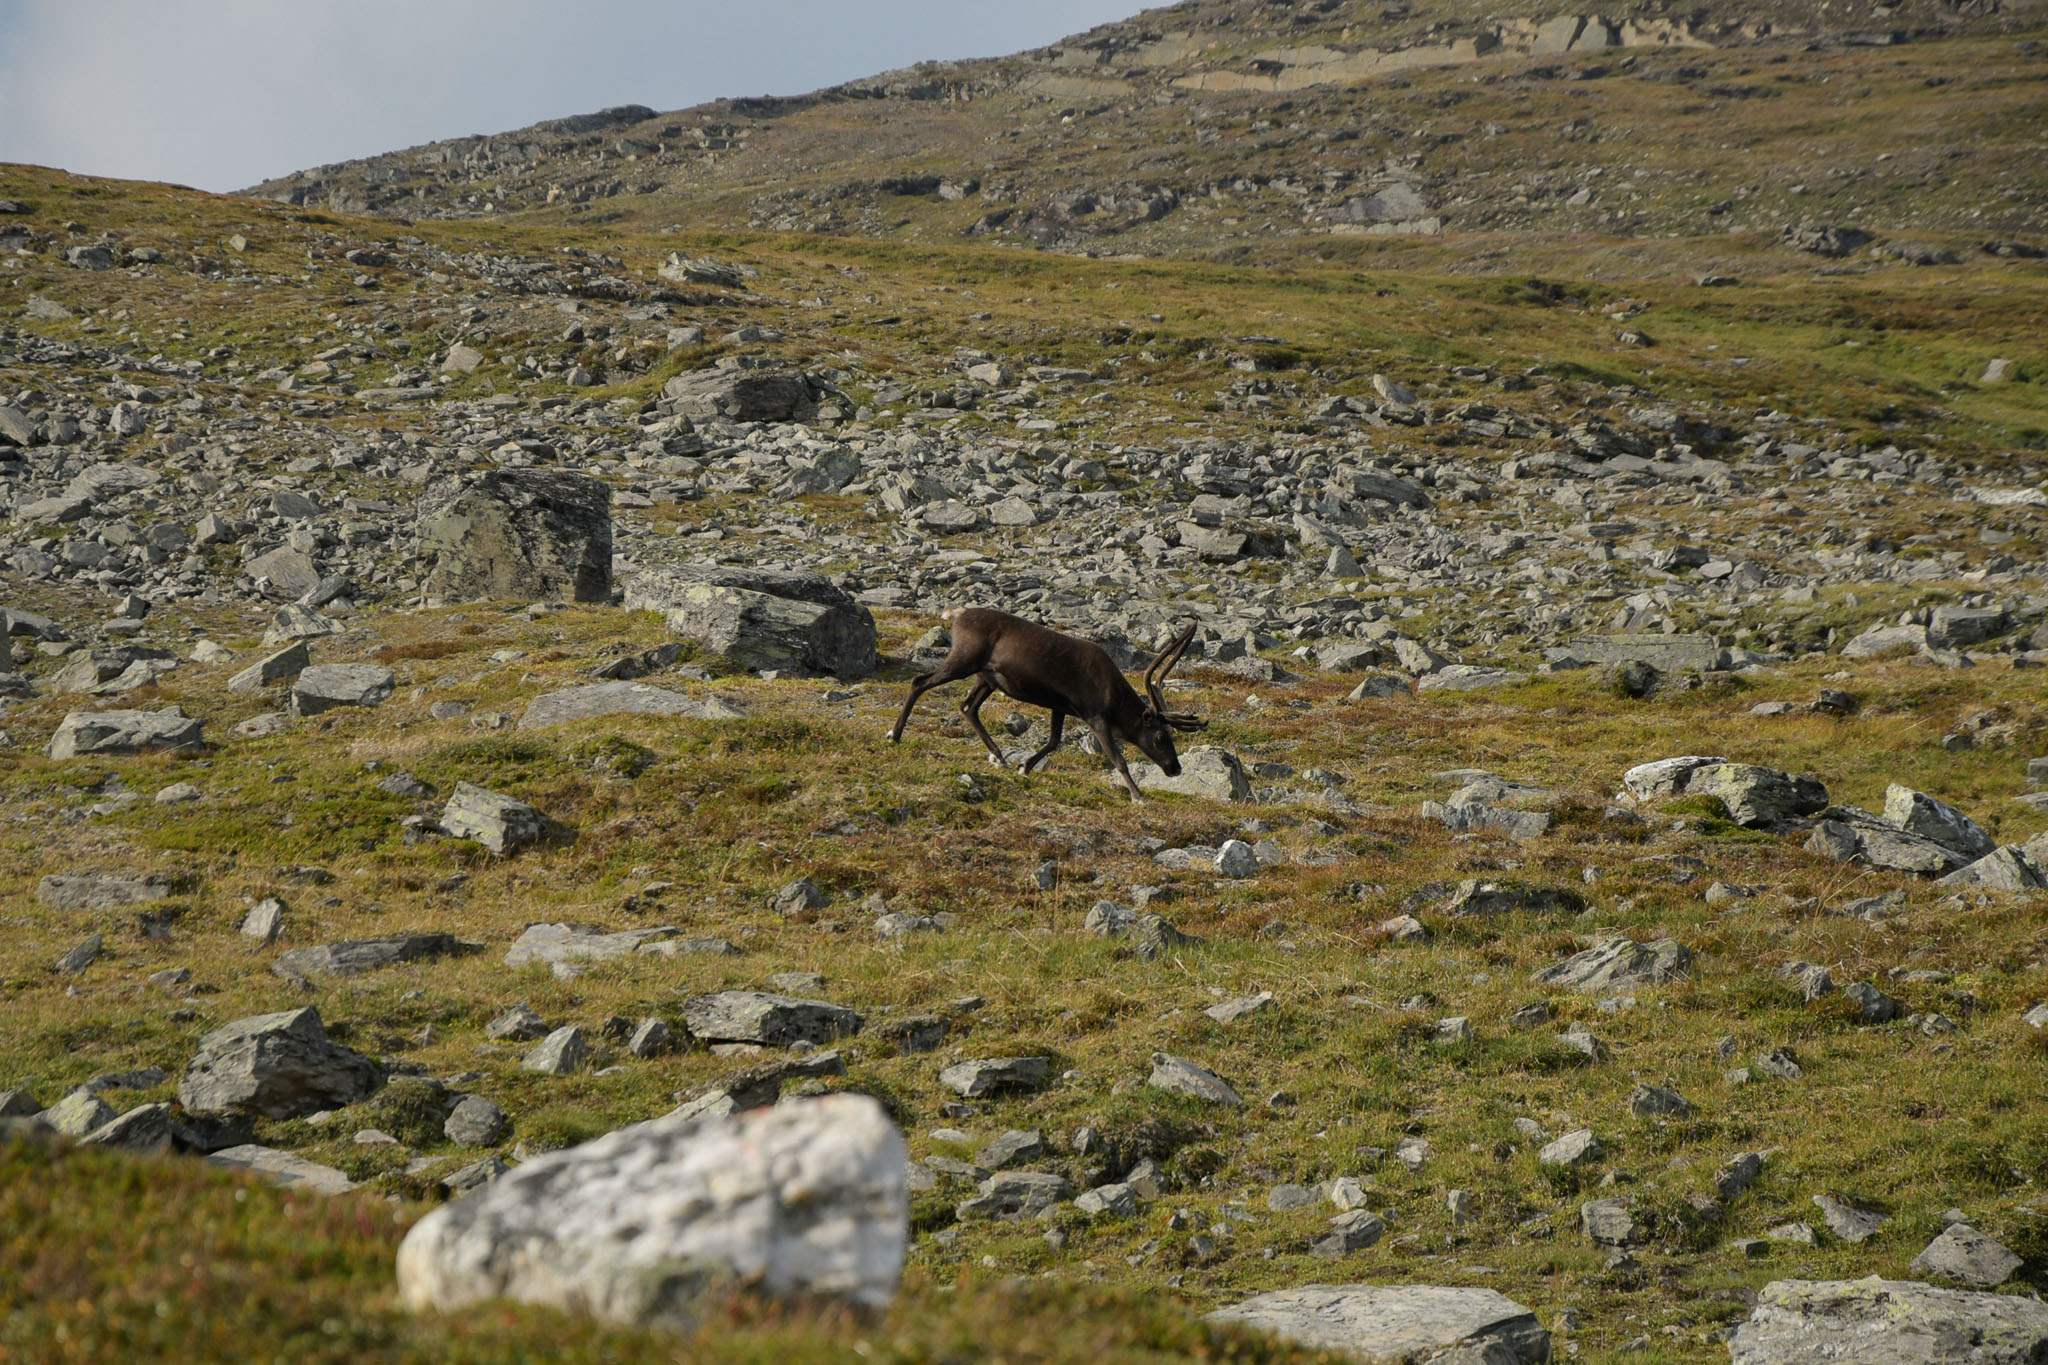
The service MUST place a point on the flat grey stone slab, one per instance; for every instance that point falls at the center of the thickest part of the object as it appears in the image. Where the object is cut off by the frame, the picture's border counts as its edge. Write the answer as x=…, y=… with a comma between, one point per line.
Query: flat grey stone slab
x=1396, y=1324
x=593, y=700
x=1888, y=1322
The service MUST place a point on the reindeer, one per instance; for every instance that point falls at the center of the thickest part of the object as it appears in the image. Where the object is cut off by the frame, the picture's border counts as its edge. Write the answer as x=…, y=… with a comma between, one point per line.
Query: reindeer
x=1024, y=660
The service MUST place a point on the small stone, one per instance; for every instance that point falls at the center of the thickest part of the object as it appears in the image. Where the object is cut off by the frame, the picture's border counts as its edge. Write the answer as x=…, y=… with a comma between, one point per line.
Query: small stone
x=79, y=958
x=1230, y=1011
x=1287, y=1198
x=1236, y=859
x=1656, y=1102
x=265, y=922
x=1577, y=1148
x=1847, y=1221
x=1965, y=1254
x=650, y=1038
x=1350, y=1232
x=476, y=1122
x=561, y=1052
x=1108, y=1201
x=1179, y=1076
x=518, y=1023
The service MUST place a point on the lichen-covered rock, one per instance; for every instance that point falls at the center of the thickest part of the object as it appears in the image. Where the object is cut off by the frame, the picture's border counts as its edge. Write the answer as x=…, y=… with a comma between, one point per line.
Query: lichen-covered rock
x=1757, y=796
x=1619, y=961
x=1887, y=1322
x=1924, y=815
x=353, y=957
x=1397, y=1323
x=636, y=1227
x=83, y=734
x=500, y=823
x=743, y=394
x=762, y=618
x=516, y=535
x=1205, y=771
x=772, y=1020
x=325, y=687
x=277, y=1065
x=591, y=700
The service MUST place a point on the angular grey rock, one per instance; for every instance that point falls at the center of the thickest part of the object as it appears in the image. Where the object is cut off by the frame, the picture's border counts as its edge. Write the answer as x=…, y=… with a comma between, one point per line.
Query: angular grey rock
x=475, y=1122
x=557, y=943
x=807, y=1198
x=290, y=573
x=1466, y=678
x=1657, y=1102
x=474, y=1176
x=1178, y=1076
x=1230, y=1011
x=1881, y=845
x=1013, y=1148
x=743, y=395
x=286, y=663
x=1475, y=897
x=1929, y=818
x=516, y=535
x=799, y=897
x=461, y=359
x=276, y=1065
x=145, y=1128
x=1872, y=1005
x=1887, y=1322
x=1015, y=1194
x=83, y=734
x=1351, y=1231
x=1397, y=1323
x=104, y=890
x=498, y=822
x=1668, y=653
x=650, y=1038
x=518, y=1023
x=1619, y=961
x=74, y=962
x=771, y=1020
x=2006, y=869
x=560, y=1053
x=1665, y=777
x=77, y=1114
x=294, y=622
x=762, y=618
x=283, y=1168
x=1205, y=771
x=1108, y=1201
x=1610, y=1222
x=1739, y=1174
x=354, y=957
x=996, y=1076
x=1757, y=796
x=1379, y=689
x=18, y=1104
x=1577, y=1148
x=325, y=687
x=1961, y=627
x=1236, y=859
x=1883, y=639
x=1847, y=1221
x=1965, y=1254
x=591, y=700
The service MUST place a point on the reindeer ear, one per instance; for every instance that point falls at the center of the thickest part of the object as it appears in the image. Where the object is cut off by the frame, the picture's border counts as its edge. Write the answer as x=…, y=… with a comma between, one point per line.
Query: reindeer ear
x=1183, y=720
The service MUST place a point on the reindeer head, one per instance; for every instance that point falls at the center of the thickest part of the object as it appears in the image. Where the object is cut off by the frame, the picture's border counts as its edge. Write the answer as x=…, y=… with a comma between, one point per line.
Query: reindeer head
x=1156, y=724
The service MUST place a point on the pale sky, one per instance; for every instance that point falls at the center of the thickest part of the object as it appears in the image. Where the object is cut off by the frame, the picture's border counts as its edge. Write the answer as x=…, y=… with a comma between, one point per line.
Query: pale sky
x=220, y=94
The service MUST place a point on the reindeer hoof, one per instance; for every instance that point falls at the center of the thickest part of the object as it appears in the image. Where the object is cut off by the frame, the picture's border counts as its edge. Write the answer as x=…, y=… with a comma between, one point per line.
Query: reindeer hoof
x=892, y=736
x=997, y=762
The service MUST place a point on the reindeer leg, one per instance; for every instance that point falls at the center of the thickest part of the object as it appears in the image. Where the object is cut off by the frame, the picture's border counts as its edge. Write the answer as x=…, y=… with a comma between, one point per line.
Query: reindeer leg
x=1116, y=756
x=1059, y=718
x=921, y=684
x=971, y=708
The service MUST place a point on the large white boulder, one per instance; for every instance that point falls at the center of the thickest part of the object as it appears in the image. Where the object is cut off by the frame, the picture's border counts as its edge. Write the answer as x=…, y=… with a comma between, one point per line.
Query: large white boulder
x=808, y=1197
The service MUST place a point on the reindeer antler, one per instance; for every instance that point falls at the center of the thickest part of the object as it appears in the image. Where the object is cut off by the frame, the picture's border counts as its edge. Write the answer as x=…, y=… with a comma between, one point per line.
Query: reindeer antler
x=1155, y=676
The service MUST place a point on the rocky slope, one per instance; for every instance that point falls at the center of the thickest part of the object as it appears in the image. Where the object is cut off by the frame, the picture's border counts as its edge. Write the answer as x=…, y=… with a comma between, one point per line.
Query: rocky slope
x=1233, y=126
